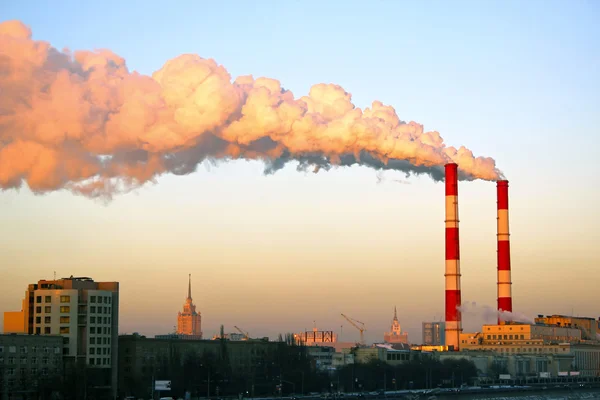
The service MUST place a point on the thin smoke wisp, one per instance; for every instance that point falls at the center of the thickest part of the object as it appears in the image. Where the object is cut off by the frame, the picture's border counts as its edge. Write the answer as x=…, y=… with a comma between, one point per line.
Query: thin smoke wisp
x=491, y=314
x=82, y=121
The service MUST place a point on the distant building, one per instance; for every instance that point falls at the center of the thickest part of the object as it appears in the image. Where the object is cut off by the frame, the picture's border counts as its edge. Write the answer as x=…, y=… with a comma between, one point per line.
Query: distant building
x=315, y=337
x=396, y=335
x=562, y=348
x=434, y=333
x=589, y=327
x=29, y=364
x=142, y=359
x=189, y=322
x=85, y=313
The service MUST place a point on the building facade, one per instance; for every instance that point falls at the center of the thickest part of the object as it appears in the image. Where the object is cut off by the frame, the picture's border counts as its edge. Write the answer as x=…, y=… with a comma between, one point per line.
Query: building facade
x=552, y=350
x=395, y=335
x=86, y=314
x=590, y=328
x=30, y=365
x=315, y=337
x=434, y=333
x=189, y=322
x=142, y=359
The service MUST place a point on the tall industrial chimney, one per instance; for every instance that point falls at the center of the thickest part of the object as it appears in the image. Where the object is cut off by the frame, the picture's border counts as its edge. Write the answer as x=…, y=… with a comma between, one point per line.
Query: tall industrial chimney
x=453, y=298
x=504, y=283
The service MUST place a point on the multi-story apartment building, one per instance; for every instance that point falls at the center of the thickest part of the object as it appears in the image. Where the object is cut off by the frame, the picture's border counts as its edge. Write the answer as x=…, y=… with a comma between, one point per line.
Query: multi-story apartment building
x=85, y=313
x=434, y=333
x=30, y=365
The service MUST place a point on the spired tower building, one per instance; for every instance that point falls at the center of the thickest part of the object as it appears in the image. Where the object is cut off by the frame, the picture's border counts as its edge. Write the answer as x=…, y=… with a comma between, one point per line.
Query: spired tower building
x=189, y=322
x=396, y=335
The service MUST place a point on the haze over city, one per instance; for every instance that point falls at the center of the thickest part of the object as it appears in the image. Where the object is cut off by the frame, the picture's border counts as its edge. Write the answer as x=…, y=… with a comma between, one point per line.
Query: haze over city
x=273, y=252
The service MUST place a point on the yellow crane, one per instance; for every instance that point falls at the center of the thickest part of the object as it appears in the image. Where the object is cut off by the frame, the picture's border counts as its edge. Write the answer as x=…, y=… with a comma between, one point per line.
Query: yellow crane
x=242, y=332
x=361, y=328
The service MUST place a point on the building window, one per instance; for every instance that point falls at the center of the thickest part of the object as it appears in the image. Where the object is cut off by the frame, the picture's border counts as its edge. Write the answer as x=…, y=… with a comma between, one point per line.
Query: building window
x=91, y=361
x=45, y=361
x=38, y=330
x=104, y=340
x=48, y=309
x=12, y=349
x=23, y=349
x=92, y=299
x=92, y=329
x=92, y=320
x=38, y=320
x=65, y=320
x=48, y=299
x=66, y=351
x=11, y=371
x=38, y=309
x=93, y=309
x=38, y=299
x=105, y=320
x=98, y=361
x=23, y=360
x=64, y=329
x=34, y=349
x=92, y=340
x=65, y=309
x=47, y=320
x=65, y=299
x=44, y=371
x=92, y=350
x=46, y=330
x=34, y=360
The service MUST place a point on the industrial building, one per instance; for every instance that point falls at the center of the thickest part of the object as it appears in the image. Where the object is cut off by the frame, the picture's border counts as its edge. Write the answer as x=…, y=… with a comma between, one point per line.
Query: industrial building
x=395, y=335
x=83, y=312
x=560, y=348
x=30, y=365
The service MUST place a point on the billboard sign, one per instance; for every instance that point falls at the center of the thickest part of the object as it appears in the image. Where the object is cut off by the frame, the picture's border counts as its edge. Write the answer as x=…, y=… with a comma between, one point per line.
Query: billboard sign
x=504, y=376
x=162, y=385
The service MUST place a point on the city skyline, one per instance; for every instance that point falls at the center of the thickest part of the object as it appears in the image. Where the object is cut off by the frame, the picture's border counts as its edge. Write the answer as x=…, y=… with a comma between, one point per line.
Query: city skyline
x=272, y=254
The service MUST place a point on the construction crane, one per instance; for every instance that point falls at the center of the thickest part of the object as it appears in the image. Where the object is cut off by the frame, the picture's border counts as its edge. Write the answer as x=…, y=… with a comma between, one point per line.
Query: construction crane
x=242, y=332
x=361, y=328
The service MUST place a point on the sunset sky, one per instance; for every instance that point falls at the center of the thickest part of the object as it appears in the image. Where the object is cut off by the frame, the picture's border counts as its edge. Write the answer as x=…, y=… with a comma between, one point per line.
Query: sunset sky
x=514, y=81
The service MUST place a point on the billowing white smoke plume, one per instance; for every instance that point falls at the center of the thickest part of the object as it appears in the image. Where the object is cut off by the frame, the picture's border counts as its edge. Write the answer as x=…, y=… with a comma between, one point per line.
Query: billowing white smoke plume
x=491, y=314
x=83, y=122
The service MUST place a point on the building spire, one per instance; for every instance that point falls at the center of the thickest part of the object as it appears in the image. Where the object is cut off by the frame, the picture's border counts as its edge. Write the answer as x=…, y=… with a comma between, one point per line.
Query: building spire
x=395, y=314
x=190, y=287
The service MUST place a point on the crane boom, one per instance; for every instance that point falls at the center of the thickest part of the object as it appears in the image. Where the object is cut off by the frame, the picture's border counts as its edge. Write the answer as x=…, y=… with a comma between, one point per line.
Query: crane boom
x=362, y=328
x=242, y=332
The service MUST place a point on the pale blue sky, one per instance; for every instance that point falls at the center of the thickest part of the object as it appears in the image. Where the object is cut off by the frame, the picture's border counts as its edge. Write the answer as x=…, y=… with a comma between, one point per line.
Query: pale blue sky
x=517, y=81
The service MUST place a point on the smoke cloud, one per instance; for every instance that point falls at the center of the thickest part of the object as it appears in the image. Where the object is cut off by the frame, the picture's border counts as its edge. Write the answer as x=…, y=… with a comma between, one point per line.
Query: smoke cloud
x=491, y=314
x=82, y=121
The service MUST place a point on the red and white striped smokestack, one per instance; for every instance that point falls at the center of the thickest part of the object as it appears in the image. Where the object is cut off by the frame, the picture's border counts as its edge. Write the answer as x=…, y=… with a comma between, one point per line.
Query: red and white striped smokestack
x=453, y=298
x=504, y=283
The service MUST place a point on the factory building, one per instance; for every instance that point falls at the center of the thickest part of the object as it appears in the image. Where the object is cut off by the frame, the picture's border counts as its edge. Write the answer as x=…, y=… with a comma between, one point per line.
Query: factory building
x=395, y=335
x=589, y=327
x=538, y=348
x=85, y=313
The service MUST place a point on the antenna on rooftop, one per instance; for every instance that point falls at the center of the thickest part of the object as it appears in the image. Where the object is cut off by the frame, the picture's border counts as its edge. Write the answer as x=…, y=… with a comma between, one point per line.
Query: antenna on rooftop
x=54, y=275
